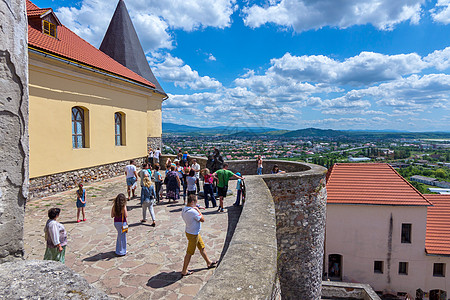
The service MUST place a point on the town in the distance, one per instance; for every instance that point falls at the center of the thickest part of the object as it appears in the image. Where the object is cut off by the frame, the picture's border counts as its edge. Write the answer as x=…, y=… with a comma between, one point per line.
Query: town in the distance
x=421, y=158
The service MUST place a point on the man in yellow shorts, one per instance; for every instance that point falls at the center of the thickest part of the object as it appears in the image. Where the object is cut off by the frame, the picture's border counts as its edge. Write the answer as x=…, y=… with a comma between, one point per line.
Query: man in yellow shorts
x=193, y=218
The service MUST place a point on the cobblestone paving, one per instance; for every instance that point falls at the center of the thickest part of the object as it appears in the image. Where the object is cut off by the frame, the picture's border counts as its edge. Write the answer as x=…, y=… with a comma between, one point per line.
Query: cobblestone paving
x=151, y=268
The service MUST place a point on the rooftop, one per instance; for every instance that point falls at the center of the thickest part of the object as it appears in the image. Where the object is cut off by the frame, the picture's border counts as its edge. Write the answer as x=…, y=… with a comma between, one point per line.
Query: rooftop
x=438, y=225
x=370, y=183
x=70, y=46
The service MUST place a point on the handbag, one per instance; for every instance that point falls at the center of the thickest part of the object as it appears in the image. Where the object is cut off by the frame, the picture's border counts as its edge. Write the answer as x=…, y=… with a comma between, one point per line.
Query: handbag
x=124, y=227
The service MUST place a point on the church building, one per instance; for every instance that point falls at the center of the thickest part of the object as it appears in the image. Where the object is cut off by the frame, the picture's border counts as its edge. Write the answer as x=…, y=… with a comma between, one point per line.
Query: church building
x=90, y=110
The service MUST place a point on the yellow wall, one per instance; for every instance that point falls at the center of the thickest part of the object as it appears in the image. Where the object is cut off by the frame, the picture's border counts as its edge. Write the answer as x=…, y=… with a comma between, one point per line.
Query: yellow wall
x=56, y=87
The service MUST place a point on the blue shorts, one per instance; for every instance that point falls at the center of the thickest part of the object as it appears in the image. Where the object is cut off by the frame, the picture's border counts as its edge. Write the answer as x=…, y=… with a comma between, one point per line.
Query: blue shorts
x=131, y=181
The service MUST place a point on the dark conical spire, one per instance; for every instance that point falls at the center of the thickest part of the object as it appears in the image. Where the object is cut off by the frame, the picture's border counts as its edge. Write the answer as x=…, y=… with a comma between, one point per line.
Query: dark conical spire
x=122, y=44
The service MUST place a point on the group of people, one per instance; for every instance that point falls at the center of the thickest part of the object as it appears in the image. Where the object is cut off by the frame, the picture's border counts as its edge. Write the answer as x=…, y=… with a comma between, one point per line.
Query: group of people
x=181, y=173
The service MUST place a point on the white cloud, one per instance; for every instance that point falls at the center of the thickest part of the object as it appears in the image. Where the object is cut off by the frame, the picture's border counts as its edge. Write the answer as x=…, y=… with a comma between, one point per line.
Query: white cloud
x=173, y=69
x=303, y=15
x=441, y=12
x=152, y=19
x=212, y=57
x=439, y=59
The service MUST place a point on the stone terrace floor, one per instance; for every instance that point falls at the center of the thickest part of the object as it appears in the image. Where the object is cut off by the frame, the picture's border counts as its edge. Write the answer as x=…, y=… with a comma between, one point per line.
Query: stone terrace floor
x=151, y=269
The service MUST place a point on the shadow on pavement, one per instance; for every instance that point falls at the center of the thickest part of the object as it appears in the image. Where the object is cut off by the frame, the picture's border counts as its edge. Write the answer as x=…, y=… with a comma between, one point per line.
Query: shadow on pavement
x=69, y=222
x=233, y=218
x=141, y=223
x=101, y=256
x=164, y=279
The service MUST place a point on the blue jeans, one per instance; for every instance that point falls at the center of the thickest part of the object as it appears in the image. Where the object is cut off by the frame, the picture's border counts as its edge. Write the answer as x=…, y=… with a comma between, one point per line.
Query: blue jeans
x=259, y=171
x=121, y=243
x=238, y=197
x=208, y=190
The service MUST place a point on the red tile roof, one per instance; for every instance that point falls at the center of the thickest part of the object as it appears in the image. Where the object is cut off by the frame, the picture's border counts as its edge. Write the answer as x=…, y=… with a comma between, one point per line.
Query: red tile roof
x=70, y=46
x=370, y=183
x=438, y=225
x=37, y=12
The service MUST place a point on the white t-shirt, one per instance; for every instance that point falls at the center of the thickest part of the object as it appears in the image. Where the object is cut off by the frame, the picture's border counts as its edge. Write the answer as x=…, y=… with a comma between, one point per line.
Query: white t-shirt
x=130, y=169
x=157, y=154
x=191, y=183
x=196, y=167
x=192, y=219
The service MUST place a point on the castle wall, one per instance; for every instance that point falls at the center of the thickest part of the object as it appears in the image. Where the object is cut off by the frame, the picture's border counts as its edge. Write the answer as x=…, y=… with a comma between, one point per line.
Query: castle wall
x=13, y=127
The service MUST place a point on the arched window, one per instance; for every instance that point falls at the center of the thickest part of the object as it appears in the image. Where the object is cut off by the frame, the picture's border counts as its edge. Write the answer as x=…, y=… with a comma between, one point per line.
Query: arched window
x=119, y=129
x=78, y=128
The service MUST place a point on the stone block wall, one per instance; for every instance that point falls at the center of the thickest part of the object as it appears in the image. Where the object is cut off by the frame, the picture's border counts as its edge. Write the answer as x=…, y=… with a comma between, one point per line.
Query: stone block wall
x=154, y=143
x=55, y=183
x=13, y=127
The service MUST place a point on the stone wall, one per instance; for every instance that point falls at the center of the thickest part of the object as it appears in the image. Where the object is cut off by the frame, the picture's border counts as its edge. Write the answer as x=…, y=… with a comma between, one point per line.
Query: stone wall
x=44, y=279
x=13, y=127
x=300, y=206
x=154, y=143
x=55, y=183
x=298, y=202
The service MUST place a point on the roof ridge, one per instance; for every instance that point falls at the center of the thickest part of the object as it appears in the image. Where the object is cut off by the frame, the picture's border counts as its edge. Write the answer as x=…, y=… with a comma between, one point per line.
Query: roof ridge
x=408, y=183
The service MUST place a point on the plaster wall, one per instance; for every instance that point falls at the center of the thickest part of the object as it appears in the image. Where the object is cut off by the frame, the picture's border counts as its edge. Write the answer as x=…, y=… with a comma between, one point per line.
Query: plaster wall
x=361, y=234
x=13, y=127
x=56, y=87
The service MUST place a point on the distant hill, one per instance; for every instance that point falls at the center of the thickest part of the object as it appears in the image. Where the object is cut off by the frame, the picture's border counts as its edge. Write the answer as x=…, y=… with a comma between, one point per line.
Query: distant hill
x=240, y=131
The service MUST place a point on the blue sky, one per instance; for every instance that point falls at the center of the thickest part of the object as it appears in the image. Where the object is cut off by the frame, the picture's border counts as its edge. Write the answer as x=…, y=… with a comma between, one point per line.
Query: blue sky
x=289, y=64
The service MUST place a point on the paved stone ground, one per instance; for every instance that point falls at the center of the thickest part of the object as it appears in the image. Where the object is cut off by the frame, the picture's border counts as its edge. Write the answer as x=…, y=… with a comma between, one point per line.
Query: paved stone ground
x=151, y=268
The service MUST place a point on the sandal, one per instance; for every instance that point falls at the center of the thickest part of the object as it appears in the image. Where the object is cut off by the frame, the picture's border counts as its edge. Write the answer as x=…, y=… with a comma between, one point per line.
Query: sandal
x=187, y=274
x=213, y=264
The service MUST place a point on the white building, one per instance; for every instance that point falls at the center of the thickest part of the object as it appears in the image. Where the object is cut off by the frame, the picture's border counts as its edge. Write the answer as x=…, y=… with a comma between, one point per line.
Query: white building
x=377, y=232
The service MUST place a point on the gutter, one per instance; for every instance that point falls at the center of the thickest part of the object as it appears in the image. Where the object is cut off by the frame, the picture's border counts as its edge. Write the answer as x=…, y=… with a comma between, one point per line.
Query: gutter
x=85, y=67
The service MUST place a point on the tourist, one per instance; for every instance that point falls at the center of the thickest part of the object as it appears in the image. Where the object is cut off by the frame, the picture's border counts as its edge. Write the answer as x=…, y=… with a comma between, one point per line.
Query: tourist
x=168, y=164
x=208, y=188
x=191, y=183
x=196, y=167
x=81, y=202
x=158, y=183
x=145, y=172
x=120, y=214
x=276, y=170
x=131, y=175
x=173, y=183
x=185, y=171
x=218, y=160
x=193, y=217
x=180, y=155
x=150, y=156
x=223, y=176
x=238, y=191
x=156, y=156
x=148, y=199
x=259, y=170
x=185, y=158
x=210, y=161
x=55, y=236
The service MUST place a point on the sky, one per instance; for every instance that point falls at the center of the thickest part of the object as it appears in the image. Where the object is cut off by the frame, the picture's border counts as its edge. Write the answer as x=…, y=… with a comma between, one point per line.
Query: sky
x=289, y=64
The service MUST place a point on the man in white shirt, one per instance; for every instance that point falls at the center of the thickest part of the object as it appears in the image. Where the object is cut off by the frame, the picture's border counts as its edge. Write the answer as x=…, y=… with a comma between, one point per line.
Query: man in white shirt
x=196, y=167
x=193, y=218
x=157, y=155
x=132, y=175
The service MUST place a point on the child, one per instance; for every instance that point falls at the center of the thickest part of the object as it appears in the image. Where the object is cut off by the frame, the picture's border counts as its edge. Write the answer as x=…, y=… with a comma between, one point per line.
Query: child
x=208, y=188
x=148, y=200
x=81, y=202
x=238, y=191
x=190, y=182
x=158, y=183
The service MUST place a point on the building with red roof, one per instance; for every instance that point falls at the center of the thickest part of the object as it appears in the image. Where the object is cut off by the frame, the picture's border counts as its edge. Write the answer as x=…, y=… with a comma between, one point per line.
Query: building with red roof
x=381, y=231
x=89, y=114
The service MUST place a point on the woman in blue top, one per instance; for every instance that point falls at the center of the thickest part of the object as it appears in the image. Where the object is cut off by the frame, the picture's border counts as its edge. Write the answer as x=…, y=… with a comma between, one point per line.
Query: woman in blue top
x=158, y=183
x=148, y=200
x=81, y=202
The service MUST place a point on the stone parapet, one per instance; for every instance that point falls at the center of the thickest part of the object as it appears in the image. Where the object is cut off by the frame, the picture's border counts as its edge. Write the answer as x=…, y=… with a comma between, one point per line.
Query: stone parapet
x=55, y=183
x=297, y=201
x=43, y=279
x=248, y=269
x=348, y=290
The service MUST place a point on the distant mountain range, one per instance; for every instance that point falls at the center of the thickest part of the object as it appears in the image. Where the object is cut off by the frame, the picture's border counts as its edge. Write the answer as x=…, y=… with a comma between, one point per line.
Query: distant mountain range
x=241, y=131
